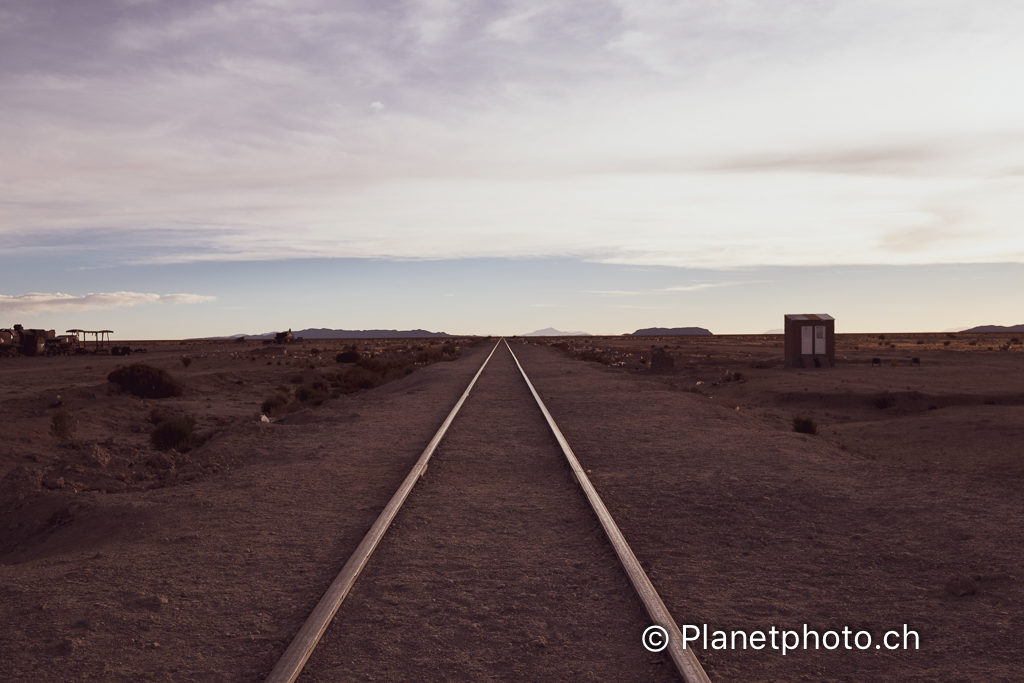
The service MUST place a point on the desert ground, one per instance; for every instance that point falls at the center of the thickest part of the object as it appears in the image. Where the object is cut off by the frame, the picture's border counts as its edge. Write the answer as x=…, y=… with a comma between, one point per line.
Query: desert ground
x=123, y=562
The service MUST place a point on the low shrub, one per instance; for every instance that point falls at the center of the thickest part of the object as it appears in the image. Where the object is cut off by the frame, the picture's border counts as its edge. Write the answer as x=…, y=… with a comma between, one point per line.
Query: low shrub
x=804, y=425
x=274, y=405
x=429, y=356
x=883, y=400
x=347, y=356
x=177, y=433
x=358, y=378
x=311, y=394
x=63, y=425
x=592, y=357
x=146, y=381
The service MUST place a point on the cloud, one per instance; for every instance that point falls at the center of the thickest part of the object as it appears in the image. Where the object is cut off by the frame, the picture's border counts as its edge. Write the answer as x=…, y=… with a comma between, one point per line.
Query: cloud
x=30, y=304
x=681, y=288
x=725, y=134
x=710, y=285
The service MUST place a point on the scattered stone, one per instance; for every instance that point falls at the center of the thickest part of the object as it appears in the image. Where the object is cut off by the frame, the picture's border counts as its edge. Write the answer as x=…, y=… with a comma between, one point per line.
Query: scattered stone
x=961, y=585
x=153, y=602
x=98, y=456
x=53, y=482
x=67, y=647
x=161, y=461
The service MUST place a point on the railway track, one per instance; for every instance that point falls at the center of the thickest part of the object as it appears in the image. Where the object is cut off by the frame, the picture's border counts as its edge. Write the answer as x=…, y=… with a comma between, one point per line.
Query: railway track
x=450, y=596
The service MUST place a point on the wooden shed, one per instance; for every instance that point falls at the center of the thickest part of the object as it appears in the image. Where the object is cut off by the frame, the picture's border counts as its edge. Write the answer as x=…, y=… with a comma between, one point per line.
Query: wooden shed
x=810, y=340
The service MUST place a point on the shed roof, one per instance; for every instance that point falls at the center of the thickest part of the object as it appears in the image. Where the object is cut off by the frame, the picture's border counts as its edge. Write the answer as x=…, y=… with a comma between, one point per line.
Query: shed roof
x=809, y=316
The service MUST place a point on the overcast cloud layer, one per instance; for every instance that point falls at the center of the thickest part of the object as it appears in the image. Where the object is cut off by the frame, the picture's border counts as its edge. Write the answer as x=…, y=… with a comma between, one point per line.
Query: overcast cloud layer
x=722, y=134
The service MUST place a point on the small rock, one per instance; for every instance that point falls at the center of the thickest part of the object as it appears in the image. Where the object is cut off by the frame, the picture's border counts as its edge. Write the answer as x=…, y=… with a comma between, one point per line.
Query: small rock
x=961, y=585
x=161, y=461
x=68, y=646
x=153, y=602
x=98, y=457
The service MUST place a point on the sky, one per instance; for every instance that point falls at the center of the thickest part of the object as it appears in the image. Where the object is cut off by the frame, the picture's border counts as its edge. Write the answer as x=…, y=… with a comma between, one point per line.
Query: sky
x=204, y=168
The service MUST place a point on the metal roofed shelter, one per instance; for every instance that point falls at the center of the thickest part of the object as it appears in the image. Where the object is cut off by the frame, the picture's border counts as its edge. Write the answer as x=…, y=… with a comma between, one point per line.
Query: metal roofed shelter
x=810, y=340
x=101, y=337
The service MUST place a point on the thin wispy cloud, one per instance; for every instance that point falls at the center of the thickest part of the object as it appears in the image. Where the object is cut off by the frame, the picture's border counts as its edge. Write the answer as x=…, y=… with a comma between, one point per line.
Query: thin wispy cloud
x=33, y=303
x=678, y=288
x=711, y=285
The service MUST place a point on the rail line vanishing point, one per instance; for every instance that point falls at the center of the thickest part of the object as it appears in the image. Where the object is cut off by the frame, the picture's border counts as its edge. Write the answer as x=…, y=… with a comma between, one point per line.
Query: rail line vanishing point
x=302, y=646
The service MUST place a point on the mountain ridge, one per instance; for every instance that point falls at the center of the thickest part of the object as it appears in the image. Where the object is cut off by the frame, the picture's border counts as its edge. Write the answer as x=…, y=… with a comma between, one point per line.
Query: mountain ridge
x=552, y=332
x=668, y=331
x=327, y=333
x=996, y=328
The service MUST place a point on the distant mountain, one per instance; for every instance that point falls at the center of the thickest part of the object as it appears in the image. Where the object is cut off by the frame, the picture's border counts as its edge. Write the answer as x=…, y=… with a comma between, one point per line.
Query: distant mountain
x=996, y=328
x=777, y=330
x=666, y=331
x=324, y=333
x=552, y=332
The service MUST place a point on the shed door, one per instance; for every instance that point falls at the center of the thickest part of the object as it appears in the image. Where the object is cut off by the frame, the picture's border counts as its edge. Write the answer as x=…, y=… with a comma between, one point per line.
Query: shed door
x=819, y=339
x=806, y=340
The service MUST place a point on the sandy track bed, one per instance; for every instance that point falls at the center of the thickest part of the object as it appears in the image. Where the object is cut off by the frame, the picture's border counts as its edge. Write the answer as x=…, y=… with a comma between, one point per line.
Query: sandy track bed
x=745, y=527
x=208, y=581
x=495, y=569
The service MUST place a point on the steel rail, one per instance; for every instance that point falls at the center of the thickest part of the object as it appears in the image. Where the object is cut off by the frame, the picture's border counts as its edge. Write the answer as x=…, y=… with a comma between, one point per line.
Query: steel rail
x=686, y=662
x=305, y=641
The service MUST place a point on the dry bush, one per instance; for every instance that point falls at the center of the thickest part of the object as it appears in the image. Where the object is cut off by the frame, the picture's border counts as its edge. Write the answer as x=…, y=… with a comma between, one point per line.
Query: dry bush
x=274, y=405
x=310, y=394
x=146, y=381
x=883, y=400
x=63, y=425
x=177, y=433
x=349, y=355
